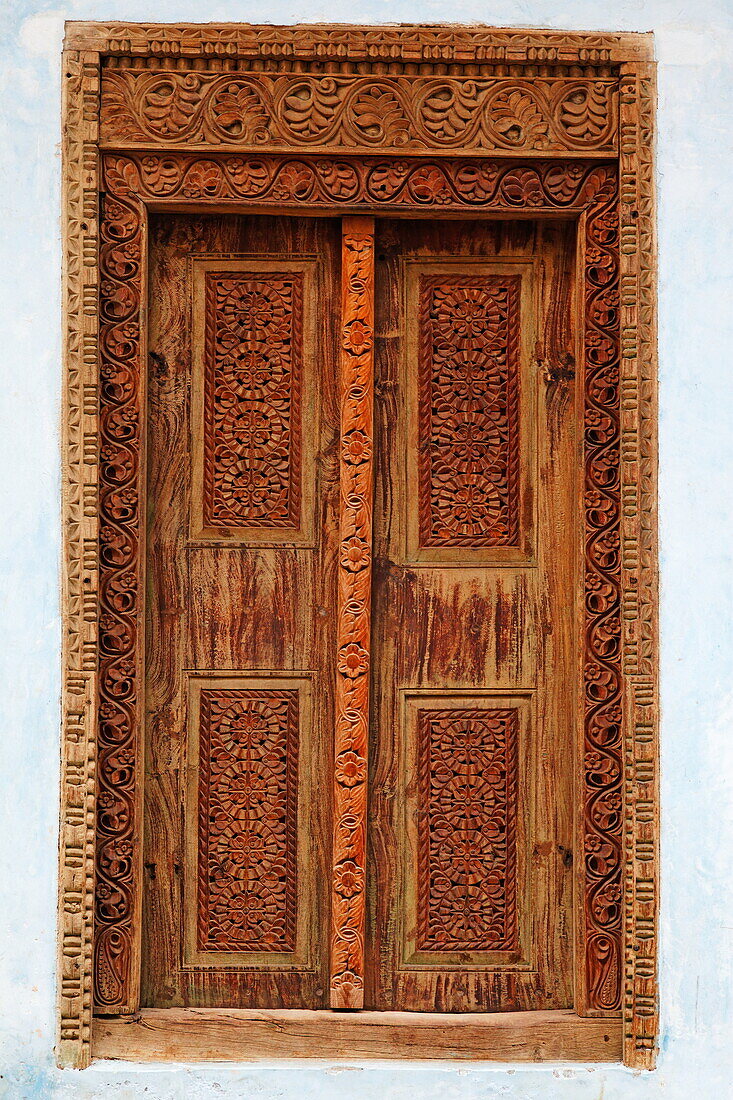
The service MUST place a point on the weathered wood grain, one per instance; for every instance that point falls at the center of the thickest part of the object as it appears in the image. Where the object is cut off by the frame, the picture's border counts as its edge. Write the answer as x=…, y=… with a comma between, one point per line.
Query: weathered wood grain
x=194, y=1035
x=250, y=609
x=475, y=626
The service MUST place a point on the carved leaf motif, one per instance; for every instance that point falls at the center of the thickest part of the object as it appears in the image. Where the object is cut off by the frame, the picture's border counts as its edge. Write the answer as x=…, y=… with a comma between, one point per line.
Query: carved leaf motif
x=584, y=112
x=169, y=105
x=379, y=117
x=309, y=107
x=517, y=120
x=238, y=112
x=449, y=110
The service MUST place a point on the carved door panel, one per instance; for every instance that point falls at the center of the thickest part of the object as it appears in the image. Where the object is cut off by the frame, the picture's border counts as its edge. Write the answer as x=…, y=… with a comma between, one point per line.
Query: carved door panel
x=475, y=678
x=242, y=526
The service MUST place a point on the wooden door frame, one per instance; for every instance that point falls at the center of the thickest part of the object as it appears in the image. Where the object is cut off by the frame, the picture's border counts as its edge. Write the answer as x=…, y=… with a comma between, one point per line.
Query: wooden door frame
x=341, y=120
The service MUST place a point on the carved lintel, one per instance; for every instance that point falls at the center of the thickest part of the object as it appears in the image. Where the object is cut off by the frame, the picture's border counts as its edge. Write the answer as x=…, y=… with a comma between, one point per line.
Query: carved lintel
x=360, y=184
x=318, y=113
x=354, y=613
x=417, y=45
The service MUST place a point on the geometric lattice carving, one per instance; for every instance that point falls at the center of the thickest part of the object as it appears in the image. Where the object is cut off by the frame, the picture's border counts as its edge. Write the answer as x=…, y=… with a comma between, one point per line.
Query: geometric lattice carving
x=252, y=399
x=467, y=830
x=469, y=410
x=248, y=791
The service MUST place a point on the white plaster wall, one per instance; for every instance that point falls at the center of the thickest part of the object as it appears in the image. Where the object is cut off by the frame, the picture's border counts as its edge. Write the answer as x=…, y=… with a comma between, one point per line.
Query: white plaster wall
x=694, y=42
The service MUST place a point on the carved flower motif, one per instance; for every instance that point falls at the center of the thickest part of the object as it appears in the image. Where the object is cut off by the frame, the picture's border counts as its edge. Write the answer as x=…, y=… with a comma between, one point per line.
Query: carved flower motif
x=354, y=554
x=357, y=337
x=350, y=769
x=428, y=186
x=356, y=447
x=238, y=112
x=348, y=879
x=516, y=119
x=353, y=661
x=348, y=983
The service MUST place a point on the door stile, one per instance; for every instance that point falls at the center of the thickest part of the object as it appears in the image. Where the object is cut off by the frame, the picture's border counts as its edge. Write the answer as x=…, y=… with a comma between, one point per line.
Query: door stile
x=356, y=361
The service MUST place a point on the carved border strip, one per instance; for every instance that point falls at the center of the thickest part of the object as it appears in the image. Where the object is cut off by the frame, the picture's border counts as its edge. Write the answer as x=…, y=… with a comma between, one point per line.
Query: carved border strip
x=603, y=686
x=442, y=188
x=300, y=42
x=121, y=603
x=639, y=562
x=365, y=185
x=79, y=579
x=353, y=667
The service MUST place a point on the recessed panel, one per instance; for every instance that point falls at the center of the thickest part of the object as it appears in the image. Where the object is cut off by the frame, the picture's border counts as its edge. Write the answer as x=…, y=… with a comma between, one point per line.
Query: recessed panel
x=467, y=819
x=468, y=435
x=245, y=891
x=252, y=420
x=469, y=389
x=247, y=803
x=254, y=413
x=467, y=813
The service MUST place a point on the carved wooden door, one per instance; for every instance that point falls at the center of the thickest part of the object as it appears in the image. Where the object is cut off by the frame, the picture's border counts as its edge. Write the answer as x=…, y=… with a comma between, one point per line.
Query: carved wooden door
x=340, y=814
x=474, y=677
x=242, y=532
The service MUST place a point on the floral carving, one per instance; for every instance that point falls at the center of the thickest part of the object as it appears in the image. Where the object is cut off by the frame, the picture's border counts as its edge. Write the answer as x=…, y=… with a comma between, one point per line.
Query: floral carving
x=239, y=112
x=253, y=367
x=371, y=184
x=354, y=605
x=466, y=830
x=360, y=113
x=468, y=440
x=248, y=791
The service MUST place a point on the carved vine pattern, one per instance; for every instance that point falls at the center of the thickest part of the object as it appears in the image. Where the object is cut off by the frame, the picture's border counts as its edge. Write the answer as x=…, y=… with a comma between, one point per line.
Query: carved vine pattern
x=467, y=888
x=252, y=426
x=369, y=185
x=603, y=818
x=359, y=113
x=468, y=487
x=120, y=596
x=354, y=609
x=248, y=799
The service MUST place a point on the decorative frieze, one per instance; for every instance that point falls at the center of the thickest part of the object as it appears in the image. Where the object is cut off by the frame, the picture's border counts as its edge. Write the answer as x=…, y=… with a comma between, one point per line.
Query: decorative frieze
x=359, y=114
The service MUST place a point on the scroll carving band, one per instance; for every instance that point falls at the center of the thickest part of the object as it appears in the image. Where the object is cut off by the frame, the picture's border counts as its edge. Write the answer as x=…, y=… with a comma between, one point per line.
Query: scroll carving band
x=360, y=113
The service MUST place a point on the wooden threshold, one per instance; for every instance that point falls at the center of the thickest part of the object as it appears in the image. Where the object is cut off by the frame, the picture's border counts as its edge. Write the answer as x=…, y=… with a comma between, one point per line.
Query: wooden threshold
x=246, y=1035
